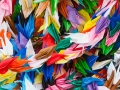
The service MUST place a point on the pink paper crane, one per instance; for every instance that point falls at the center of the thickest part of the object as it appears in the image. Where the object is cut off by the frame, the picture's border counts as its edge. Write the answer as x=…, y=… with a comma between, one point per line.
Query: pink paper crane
x=5, y=8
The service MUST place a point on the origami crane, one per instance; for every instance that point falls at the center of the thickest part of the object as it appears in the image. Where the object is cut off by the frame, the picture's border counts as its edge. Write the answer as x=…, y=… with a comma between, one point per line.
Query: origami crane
x=113, y=78
x=5, y=9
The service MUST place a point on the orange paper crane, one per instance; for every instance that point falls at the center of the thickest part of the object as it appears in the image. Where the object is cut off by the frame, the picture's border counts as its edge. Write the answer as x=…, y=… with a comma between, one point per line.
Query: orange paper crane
x=18, y=65
x=62, y=7
x=2, y=36
x=14, y=65
x=38, y=23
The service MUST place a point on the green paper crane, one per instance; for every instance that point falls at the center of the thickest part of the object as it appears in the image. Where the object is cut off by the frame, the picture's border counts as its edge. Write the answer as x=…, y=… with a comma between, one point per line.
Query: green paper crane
x=16, y=11
x=105, y=49
x=63, y=44
x=66, y=24
x=116, y=29
x=81, y=66
x=90, y=6
x=76, y=83
x=53, y=5
x=53, y=32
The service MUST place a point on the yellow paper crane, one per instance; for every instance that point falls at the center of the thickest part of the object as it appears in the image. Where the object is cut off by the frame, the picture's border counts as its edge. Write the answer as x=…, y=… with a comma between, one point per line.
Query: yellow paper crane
x=9, y=76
